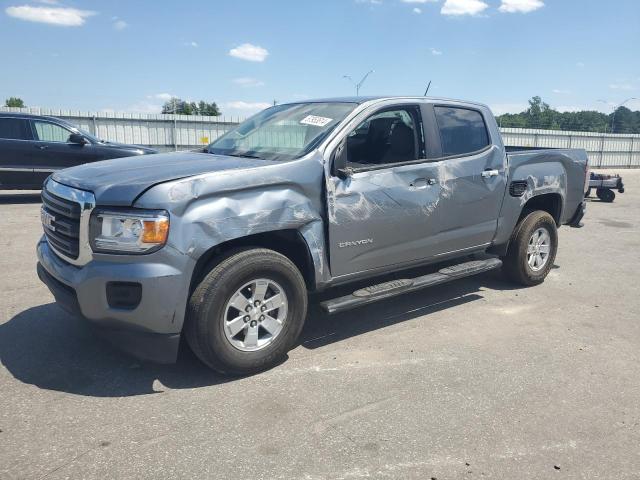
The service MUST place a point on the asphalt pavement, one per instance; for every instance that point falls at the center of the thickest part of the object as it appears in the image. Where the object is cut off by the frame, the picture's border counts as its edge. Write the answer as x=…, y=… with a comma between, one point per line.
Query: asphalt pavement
x=474, y=379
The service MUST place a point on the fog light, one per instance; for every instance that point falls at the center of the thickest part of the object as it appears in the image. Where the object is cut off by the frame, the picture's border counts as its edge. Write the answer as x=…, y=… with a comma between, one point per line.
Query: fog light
x=124, y=295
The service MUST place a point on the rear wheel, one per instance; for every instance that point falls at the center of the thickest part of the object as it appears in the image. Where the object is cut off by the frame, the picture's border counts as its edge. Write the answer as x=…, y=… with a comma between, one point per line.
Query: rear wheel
x=532, y=249
x=606, y=195
x=247, y=312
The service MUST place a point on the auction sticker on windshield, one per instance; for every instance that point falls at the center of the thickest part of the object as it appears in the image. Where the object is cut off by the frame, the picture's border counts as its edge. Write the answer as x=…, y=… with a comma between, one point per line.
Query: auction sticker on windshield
x=315, y=121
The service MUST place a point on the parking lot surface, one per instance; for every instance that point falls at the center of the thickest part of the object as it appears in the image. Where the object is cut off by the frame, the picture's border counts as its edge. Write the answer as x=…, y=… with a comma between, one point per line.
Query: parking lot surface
x=474, y=379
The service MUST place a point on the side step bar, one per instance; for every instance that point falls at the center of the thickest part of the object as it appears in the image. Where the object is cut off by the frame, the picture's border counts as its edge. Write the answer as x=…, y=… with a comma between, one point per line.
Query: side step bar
x=381, y=291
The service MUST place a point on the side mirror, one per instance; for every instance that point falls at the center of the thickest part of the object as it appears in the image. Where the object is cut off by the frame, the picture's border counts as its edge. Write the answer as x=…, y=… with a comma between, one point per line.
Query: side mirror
x=78, y=139
x=339, y=167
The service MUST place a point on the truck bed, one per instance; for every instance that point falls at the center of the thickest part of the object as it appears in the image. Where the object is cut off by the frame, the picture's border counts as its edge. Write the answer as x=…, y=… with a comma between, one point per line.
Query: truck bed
x=515, y=149
x=547, y=168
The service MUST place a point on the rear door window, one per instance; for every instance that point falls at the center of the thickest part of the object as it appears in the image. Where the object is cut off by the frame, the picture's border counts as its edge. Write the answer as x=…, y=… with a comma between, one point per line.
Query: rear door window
x=462, y=131
x=15, y=129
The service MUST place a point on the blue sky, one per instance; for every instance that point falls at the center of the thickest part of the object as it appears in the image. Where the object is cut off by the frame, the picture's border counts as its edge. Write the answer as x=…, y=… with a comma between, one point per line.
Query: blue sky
x=243, y=54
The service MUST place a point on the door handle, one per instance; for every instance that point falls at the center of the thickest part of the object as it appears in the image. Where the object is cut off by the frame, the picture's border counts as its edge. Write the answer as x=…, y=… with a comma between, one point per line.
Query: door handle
x=490, y=173
x=42, y=147
x=422, y=182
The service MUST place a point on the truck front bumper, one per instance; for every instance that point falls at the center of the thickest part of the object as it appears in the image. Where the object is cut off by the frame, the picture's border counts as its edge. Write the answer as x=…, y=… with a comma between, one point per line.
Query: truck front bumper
x=146, y=324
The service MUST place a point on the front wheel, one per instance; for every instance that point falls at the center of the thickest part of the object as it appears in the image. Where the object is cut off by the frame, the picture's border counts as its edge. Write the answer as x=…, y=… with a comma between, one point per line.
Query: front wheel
x=247, y=313
x=532, y=250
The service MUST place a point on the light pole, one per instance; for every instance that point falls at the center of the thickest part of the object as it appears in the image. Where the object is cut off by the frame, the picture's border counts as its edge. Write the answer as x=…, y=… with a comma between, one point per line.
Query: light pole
x=359, y=84
x=608, y=104
x=613, y=118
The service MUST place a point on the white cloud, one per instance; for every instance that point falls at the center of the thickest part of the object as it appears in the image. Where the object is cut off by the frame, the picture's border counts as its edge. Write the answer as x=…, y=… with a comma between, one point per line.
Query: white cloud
x=249, y=52
x=191, y=44
x=633, y=104
x=570, y=108
x=62, y=16
x=520, y=6
x=435, y=51
x=248, y=82
x=373, y=2
x=580, y=64
x=247, y=107
x=502, y=108
x=463, y=7
x=120, y=24
x=627, y=87
x=417, y=11
x=143, y=107
x=161, y=96
x=559, y=91
x=419, y=1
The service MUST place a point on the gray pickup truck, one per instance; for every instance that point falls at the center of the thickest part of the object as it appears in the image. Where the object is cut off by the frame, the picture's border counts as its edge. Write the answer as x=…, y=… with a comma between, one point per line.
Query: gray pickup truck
x=222, y=246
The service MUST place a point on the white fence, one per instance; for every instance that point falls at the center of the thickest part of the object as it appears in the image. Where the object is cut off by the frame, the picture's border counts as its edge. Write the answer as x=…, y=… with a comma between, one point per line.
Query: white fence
x=604, y=149
x=179, y=132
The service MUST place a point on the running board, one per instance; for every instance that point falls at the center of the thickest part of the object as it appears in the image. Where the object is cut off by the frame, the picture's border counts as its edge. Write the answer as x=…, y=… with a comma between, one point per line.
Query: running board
x=381, y=291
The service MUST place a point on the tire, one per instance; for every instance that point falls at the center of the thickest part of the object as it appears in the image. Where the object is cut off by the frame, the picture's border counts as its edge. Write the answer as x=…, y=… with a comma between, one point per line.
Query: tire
x=606, y=195
x=516, y=264
x=587, y=193
x=212, y=316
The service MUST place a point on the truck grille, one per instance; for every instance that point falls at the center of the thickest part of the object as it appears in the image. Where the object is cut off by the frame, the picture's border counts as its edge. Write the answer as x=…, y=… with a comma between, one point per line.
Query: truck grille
x=62, y=227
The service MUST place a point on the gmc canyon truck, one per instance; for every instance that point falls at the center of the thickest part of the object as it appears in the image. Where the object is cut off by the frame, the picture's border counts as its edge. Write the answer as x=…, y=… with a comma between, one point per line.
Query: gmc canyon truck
x=222, y=246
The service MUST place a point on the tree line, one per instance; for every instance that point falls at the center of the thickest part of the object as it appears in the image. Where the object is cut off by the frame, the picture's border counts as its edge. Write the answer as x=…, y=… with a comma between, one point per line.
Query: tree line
x=175, y=105
x=182, y=107
x=541, y=115
x=538, y=115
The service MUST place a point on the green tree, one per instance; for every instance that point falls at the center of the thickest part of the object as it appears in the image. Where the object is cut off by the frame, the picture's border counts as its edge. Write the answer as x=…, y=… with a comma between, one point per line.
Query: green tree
x=14, y=102
x=208, y=109
x=541, y=115
x=623, y=121
x=175, y=105
x=181, y=107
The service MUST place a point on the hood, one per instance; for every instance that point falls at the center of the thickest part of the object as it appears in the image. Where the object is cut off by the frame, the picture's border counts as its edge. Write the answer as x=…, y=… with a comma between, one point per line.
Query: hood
x=120, y=181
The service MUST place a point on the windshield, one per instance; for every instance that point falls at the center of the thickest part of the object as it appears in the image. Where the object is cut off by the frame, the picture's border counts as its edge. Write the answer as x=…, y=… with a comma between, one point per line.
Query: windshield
x=282, y=132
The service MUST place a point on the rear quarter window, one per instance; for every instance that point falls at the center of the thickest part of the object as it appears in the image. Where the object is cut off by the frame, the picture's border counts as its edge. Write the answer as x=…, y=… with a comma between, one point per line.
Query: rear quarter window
x=15, y=129
x=462, y=131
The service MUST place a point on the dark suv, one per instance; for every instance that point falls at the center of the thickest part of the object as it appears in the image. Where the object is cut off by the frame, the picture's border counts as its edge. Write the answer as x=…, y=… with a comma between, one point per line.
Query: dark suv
x=32, y=147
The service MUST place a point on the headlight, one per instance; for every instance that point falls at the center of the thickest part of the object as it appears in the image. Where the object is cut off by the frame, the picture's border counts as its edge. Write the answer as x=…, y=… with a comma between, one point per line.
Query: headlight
x=128, y=231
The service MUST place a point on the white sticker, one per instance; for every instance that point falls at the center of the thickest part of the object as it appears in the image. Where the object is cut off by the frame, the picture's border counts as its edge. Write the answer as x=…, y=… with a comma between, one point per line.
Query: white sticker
x=315, y=121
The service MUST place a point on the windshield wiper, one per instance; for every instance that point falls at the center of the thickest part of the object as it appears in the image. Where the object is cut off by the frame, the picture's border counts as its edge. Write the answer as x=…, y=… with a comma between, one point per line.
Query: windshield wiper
x=244, y=155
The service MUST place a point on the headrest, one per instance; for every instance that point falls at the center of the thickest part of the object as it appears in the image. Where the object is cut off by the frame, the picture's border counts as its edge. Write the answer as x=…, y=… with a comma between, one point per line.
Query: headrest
x=401, y=139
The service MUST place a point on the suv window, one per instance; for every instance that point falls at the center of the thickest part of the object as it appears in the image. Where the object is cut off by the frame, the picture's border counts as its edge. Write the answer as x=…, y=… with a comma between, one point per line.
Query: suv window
x=50, y=132
x=15, y=129
x=462, y=131
x=388, y=137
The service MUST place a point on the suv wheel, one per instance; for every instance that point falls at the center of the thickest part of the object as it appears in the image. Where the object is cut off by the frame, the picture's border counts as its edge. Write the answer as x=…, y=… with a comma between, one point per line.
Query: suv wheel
x=532, y=249
x=247, y=313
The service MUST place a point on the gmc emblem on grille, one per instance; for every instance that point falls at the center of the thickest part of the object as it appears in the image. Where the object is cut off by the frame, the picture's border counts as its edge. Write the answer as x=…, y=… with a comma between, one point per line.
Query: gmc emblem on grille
x=47, y=220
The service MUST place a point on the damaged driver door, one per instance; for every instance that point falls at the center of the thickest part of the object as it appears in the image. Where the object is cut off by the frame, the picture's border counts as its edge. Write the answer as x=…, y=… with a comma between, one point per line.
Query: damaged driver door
x=381, y=203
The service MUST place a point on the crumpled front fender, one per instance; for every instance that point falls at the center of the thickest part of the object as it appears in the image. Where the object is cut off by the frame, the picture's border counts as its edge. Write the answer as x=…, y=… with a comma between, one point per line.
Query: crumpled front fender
x=208, y=210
